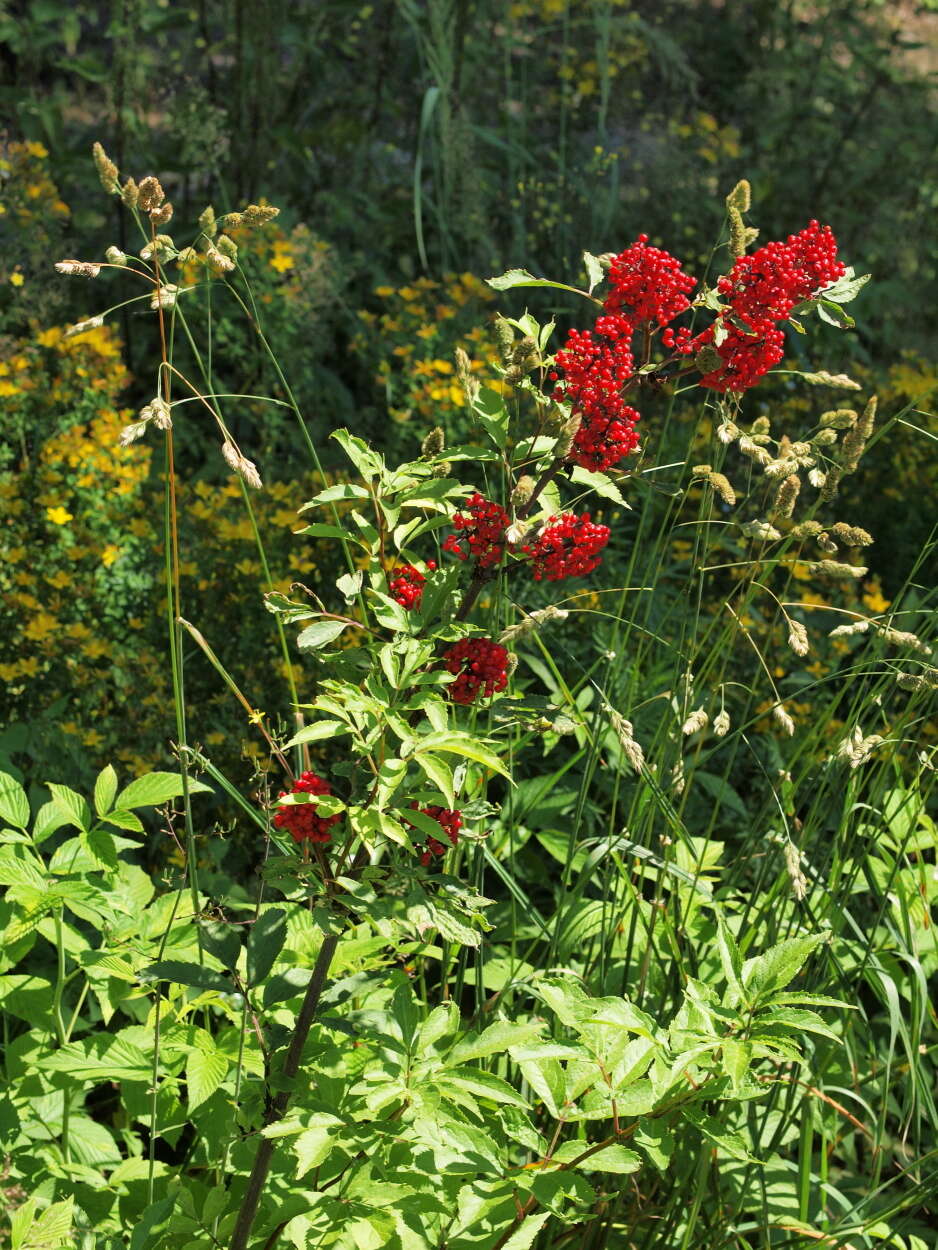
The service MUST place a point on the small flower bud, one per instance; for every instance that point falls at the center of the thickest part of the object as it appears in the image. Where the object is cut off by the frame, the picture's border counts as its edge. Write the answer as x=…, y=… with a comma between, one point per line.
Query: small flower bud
x=806, y=529
x=130, y=193
x=115, y=256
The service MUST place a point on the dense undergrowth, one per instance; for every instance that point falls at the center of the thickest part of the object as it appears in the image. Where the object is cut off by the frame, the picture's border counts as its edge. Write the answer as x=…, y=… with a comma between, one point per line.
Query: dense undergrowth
x=594, y=909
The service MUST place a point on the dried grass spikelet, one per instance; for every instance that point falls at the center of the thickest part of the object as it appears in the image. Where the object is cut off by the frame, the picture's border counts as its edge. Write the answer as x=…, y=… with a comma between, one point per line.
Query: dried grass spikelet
x=855, y=440
x=848, y=631
x=130, y=433
x=783, y=720
x=259, y=214
x=826, y=543
x=433, y=443
x=760, y=530
x=160, y=413
x=737, y=233
x=925, y=679
x=828, y=483
x=902, y=638
x=150, y=194
x=107, y=170
x=188, y=256
x=754, y=451
x=522, y=491
x=470, y=385
x=836, y=571
x=78, y=268
x=697, y=720
x=92, y=323
x=531, y=623
x=728, y=432
x=856, y=749
x=786, y=496
x=838, y=419
x=164, y=296
x=798, y=637
x=567, y=435
x=218, y=259
x=806, y=529
x=160, y=248
x=851, y=535
x=130, y=193
x=505, y=335
x=115, y=256
x=822, y=378
x=781, y=468
x=161, y=216
x=824, y=438
x=799, y=882
x=246, y=469
x=677, y=778
x=721, y=723
x=227, y=246
x=740, y=197
x=624, y=731
x=207, y=223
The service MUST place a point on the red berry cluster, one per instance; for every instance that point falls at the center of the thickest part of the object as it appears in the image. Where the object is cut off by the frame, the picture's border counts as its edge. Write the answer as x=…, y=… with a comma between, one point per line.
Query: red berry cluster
x=479, y=665
x=761, y=290
x=482, y=529
x=596, y=365
x=449, y=821
x=648, y=284
x=567, y=546
x=406, y=586
x=301, y=818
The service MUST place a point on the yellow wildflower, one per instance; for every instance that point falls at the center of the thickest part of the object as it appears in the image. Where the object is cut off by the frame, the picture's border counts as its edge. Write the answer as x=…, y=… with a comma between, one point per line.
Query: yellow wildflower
x=16, y=278
x=59, y=515
x=109, y=555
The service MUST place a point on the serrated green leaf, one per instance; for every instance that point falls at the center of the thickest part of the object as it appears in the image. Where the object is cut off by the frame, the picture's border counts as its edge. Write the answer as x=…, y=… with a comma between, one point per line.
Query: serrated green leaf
x=205, y=1071
x=523, y=1236
x=180, y=972
x=73, y=809
x=465, y=746
x=14, y=805
x=612, y=1158
x=105, y=789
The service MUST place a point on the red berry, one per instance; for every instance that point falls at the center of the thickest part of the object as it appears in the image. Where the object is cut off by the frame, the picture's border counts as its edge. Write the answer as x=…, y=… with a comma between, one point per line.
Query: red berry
x=406, y=586
x=482, y=530
x=567, y=546
x=301, y=819
x=479, y=665
x=647, y=284
x=449, y=821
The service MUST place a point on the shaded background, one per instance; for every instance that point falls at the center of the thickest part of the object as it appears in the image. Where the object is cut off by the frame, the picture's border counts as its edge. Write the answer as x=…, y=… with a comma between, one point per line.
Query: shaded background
x=414, y=149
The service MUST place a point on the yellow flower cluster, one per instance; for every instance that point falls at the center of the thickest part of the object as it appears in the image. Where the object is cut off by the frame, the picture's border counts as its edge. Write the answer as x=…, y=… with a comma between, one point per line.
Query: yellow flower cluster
x=410, y=343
